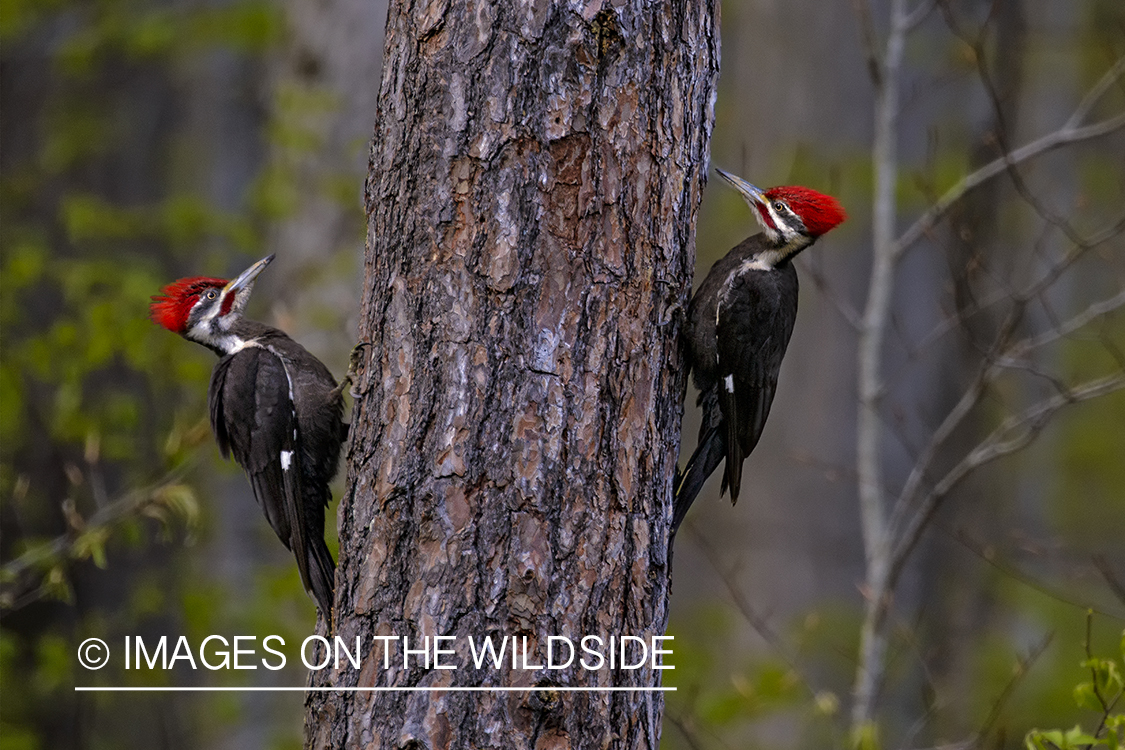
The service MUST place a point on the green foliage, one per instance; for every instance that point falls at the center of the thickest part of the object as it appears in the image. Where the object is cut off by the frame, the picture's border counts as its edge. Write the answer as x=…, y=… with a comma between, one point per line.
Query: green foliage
x=1058, y=740
x=1101, y=694
x=720, y=688
x=102, y=413
x=138, y=33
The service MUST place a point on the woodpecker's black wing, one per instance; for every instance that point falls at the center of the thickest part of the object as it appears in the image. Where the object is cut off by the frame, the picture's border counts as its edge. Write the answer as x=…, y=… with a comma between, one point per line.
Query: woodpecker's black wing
x=755, y=318
x=255, y=419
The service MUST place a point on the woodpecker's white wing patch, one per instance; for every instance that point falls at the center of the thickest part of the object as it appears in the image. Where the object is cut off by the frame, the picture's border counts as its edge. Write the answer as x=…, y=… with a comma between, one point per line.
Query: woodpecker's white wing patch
x=286, y=459
x=728, y=381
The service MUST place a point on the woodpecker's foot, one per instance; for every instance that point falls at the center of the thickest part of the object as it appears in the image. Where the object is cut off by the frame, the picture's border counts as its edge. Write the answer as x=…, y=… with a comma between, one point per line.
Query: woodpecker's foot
x=669, y=314
x=355, y=363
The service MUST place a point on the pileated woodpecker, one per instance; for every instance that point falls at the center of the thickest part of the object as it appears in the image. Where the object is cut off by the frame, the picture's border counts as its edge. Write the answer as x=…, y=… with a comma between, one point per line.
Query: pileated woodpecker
x=274, y=406
x=738, y=327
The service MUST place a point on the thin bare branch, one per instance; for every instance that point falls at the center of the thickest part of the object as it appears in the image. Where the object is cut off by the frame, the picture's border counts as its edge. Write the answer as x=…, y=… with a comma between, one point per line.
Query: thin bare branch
x=1001, y=139
x=847, y=312
x=1049, y=142
x=903, y=513
x=1005, y=294
x=1023, y=666
x=953, y=320
x=1067, y=327
x=888, y=542
x=1115, y=584
x=919, y=14
x=1094, y=95
x=962, y=537
x=1059, y=268
x=1106, y=703
x=752, y=617
x=1013, y=434
x=63, y=547
x=870, y=41
x=686, y=732
x=964, y=406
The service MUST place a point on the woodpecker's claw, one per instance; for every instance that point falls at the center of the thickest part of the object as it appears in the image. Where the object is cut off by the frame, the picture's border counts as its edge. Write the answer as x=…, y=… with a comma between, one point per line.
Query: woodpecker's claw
x=355, y=364
x=669, y=314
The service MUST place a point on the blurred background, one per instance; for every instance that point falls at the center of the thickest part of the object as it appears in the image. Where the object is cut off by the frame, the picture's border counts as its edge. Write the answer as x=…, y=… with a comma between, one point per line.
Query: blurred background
x=145, y=140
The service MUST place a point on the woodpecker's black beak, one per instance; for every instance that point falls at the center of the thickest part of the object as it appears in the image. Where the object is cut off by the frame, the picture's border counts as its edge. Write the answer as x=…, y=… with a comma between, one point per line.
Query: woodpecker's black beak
x=244, y=284
x=752, y=194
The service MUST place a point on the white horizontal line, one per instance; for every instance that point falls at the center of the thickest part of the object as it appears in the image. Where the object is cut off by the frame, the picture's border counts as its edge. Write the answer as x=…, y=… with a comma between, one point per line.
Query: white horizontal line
x=451, y=689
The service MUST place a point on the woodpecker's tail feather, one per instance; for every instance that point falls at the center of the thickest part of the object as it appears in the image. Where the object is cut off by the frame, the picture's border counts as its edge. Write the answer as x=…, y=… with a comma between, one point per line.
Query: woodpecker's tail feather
x=710, y=452
x=322, y=575
x=732, y=472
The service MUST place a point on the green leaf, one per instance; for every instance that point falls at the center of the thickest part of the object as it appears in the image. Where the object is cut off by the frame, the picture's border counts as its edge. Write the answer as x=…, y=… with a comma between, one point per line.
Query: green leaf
x=1107, y=677
x=92, y=544
x=1076, y=737
x=866, y=737
x=1054, y=736
x=1085, y=697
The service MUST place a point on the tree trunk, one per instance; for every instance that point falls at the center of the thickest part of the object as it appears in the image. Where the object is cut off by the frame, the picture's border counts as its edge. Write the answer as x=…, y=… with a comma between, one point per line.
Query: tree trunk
x=534, y=181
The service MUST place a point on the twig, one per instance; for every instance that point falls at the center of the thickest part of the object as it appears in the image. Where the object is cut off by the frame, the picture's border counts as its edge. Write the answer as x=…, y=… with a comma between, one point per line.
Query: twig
x=847, y=312
x=1069, y=326
x=984, y=376
x=1106, y=704
x=62, y=547
x=1065, y=135
x=919, y=14
x=870, y=40
x=962, y=537
x=688, y=735
x=756, y=621
x=953, y=320
x=1094, y=95
x=1023, y=666
x=1013, y=434
x=1111, y=579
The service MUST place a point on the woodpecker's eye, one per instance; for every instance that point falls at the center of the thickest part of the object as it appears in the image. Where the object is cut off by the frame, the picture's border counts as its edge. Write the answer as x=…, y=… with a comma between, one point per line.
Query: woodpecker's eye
x=780, y=207
x=212, y=294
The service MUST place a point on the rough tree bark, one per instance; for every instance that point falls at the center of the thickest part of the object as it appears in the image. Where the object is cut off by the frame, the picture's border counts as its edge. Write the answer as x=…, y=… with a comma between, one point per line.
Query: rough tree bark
x=535, y=175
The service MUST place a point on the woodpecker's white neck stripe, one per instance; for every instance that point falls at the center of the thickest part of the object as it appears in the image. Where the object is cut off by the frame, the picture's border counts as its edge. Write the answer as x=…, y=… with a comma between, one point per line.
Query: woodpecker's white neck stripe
x=782, y=229
x=231, y=344
x=760, y=262
x=789, y=238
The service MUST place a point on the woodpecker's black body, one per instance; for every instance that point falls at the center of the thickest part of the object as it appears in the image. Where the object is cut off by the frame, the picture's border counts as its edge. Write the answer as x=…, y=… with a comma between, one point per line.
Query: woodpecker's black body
x=275, y=408
x=738, y=328
x=755, y=310
x=289, y=447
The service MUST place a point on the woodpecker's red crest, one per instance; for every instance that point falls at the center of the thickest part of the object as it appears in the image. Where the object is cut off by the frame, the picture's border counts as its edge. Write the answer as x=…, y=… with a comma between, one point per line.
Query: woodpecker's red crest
x=819, y=212
x=172, y=306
